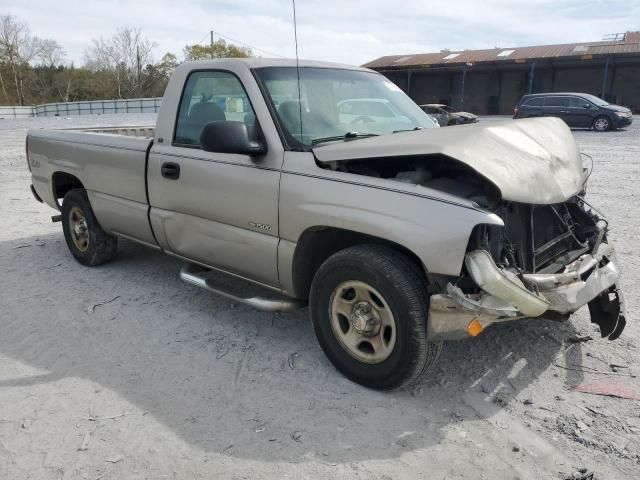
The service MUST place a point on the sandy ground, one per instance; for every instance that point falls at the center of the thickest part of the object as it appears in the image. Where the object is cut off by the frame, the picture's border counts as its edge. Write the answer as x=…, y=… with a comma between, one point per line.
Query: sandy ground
x=167, y=381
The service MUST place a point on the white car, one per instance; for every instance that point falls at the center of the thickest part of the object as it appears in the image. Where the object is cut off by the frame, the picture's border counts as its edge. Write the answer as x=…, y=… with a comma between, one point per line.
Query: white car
x=371, y=115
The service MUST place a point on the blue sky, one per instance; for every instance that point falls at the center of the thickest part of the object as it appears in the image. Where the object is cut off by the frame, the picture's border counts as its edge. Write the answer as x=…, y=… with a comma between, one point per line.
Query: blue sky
x=348, y=31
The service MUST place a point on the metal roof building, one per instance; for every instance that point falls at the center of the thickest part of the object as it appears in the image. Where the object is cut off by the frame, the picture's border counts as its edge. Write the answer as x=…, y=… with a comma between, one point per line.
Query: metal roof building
x=492, y=80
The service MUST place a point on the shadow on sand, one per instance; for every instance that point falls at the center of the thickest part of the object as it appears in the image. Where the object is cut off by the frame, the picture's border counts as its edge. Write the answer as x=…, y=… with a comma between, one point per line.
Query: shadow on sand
x=218, y=374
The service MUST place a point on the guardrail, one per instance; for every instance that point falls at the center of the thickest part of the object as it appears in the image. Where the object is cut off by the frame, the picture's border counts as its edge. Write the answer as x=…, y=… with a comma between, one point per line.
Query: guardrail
x=89, y=107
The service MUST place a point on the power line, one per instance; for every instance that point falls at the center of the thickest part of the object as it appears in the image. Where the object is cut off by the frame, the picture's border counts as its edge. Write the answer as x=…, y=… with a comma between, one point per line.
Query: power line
x=199, y=42
x=241, y=43
x=247, y=45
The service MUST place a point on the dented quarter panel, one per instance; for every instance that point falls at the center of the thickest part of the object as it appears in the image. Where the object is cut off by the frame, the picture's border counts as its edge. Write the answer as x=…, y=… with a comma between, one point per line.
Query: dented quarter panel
x=530, y=161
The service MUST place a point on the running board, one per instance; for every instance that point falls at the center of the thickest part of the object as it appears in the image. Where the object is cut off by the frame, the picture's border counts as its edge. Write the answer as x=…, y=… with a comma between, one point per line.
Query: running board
x=238, y=290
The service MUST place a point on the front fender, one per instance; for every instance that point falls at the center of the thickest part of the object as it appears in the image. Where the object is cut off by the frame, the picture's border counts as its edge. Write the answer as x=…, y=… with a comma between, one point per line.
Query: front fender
x=435, y=229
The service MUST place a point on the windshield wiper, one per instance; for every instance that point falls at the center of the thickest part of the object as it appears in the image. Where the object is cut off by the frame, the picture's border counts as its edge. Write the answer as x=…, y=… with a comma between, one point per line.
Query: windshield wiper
x=346, y=136
x=409, y=129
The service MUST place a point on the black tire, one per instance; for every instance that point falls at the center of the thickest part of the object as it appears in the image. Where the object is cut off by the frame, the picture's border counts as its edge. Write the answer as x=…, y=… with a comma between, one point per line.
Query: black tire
x=100, y=246
x=601, y=123
x=404, y=288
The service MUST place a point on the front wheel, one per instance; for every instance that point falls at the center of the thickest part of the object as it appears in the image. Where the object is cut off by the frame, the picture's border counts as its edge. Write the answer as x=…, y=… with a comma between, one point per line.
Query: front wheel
x=601, y=124
x=369, y=307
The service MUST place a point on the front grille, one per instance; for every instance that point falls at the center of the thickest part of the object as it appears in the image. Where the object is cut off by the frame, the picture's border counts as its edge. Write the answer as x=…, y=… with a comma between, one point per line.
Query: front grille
x=537, y=238
x=551, y=235
x=548, y=255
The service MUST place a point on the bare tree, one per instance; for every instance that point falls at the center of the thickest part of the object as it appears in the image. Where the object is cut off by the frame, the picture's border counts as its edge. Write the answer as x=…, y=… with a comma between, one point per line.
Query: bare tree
x=17, y=48
x=50, y=53
x=50, y=58
x=124, y=55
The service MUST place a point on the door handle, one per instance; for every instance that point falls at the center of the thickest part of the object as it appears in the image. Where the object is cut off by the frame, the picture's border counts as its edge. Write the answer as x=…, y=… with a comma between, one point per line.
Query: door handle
x=170, y=170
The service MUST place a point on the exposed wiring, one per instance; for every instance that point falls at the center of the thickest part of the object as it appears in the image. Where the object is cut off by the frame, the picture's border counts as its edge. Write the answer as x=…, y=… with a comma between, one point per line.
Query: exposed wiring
x=584, y=182
x=601, y=215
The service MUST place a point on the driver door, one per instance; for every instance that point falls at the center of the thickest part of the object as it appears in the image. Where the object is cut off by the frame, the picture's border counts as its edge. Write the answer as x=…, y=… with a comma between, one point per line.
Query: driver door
x=217, y=209
x=579, y=112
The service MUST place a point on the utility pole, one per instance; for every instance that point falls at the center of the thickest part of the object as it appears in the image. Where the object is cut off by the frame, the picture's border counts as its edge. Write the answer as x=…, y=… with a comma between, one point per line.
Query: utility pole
x=464, y=76
x=211, y=45
x=603, y=95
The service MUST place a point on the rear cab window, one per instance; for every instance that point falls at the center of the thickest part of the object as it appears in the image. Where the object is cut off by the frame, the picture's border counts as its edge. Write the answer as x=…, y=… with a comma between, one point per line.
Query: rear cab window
x=210, y=96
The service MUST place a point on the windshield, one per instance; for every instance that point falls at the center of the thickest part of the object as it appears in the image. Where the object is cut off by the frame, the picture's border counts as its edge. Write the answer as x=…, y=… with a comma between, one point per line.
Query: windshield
x=598, y=101
x=339, y=103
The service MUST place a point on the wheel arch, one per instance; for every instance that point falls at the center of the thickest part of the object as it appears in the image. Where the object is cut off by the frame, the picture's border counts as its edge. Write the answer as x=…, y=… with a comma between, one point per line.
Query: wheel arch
x=318, y=243
x=61, y=183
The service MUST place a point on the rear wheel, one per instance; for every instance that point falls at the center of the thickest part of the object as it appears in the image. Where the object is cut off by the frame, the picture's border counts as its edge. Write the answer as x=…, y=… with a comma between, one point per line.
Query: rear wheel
x=601, y=124
x=87, y=241
x=369, y=307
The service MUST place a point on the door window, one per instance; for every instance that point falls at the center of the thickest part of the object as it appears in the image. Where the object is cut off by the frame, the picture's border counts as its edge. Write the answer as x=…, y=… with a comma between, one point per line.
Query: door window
x=556, y=102
x=577, y=102
x=535, y=102
x=211, y=96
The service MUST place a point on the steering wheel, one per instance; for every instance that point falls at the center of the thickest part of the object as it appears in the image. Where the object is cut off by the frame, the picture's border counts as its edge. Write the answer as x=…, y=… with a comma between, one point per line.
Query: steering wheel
x=363, y=119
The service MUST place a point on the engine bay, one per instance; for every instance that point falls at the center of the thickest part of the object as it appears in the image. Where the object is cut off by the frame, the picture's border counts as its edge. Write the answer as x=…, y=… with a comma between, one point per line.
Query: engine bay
x=437, y=172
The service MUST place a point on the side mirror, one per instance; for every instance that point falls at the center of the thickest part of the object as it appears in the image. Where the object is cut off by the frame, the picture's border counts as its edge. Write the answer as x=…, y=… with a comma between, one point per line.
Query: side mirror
x=229, y=137
x=587, y=106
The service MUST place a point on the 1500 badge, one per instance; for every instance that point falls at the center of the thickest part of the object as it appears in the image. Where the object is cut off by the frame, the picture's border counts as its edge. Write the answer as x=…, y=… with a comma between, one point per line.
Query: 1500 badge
x=260, y=226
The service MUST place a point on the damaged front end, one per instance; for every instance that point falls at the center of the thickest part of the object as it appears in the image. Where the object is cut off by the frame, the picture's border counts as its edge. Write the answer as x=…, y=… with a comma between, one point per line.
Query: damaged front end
x=546, y=262
x=550, y=257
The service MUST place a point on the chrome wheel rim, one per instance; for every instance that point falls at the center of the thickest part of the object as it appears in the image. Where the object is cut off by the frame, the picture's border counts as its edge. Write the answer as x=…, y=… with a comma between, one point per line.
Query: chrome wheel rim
x=362, y=322
x=79, y=229
x=602, y=124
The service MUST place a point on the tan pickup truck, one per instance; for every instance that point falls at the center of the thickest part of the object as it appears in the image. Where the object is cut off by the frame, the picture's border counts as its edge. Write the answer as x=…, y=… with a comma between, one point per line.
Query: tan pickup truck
x=325, y=184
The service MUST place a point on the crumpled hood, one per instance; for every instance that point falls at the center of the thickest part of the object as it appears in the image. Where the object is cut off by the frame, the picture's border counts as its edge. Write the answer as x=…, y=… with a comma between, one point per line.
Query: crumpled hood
x=530, y=160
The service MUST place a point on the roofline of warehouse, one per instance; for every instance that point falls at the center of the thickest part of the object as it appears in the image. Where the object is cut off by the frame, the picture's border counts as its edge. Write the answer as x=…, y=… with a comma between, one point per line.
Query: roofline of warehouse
x=627, y=47
x=552, y=61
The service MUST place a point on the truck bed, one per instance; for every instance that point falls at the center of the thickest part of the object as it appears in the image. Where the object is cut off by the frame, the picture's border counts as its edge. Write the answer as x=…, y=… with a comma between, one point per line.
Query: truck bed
x=109, y=161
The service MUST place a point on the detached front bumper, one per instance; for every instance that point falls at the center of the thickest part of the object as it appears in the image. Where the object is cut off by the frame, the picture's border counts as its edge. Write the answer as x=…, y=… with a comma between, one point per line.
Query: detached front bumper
x=590, y=280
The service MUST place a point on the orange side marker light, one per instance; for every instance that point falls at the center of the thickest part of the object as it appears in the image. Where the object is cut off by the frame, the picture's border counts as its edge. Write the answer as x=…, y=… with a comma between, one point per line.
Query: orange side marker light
x=474, y=328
